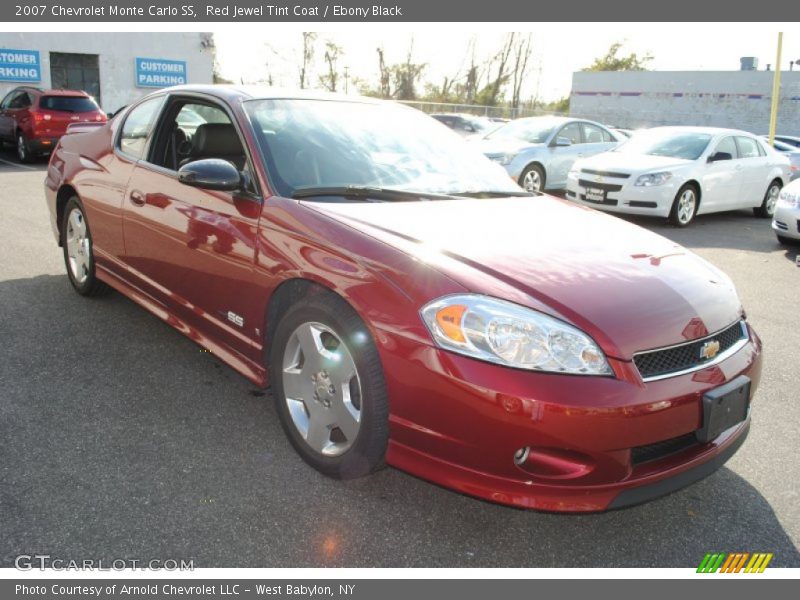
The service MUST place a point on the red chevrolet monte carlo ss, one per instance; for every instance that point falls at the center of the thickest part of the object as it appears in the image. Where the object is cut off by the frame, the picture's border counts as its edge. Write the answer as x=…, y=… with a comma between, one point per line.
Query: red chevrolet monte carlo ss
x=407, y=303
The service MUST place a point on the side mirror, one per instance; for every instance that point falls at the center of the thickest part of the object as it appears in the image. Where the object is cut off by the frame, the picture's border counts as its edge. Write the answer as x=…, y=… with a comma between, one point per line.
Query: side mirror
x=211, y=174
x=718, y=156
x=562, y=142
x=468, y=127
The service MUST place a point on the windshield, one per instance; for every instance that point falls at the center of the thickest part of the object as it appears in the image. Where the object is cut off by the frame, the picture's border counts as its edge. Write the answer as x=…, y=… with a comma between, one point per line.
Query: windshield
x=330, y=144
x=533, y=131
x=68, y=103
x=688, y=146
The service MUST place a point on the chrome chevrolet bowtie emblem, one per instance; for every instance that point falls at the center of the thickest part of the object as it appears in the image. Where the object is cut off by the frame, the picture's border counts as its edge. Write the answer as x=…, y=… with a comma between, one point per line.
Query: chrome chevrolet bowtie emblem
x=709, y=350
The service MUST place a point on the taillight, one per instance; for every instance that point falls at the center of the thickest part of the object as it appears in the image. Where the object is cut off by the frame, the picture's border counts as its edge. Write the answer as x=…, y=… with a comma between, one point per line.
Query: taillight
x=39, y=117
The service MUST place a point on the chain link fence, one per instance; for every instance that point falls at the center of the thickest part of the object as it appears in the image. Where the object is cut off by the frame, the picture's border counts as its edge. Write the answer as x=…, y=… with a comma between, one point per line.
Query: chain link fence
x=497, y=112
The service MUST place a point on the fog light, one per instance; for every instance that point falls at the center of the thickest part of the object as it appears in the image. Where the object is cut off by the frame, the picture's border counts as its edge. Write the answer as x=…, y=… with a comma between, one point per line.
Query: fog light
x=521, y=455
x=553, y=463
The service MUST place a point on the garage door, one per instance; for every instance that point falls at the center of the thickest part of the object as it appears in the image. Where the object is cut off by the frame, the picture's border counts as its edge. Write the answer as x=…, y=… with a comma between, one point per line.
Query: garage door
x=75, y=72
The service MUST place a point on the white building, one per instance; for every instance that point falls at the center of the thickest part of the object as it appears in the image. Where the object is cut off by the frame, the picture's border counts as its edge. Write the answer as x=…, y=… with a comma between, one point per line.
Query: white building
x=738, y=99
x=116, y=68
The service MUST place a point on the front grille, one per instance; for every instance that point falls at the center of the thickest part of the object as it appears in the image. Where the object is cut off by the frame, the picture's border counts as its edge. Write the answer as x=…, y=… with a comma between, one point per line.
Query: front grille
x=644, y=454
x=607, y=187
x=606, y=173
x=686, y=356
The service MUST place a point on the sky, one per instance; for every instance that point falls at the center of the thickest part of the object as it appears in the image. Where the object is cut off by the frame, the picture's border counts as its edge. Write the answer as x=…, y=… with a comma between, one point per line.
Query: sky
x=245, y=52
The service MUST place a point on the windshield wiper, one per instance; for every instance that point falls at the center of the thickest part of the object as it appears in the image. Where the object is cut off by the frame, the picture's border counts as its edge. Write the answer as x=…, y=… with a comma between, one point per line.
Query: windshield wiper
x=368, y=193
x=494, y=194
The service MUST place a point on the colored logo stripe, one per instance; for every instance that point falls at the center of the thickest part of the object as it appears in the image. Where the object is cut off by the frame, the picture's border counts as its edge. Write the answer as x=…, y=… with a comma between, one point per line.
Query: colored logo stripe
x=734, y=563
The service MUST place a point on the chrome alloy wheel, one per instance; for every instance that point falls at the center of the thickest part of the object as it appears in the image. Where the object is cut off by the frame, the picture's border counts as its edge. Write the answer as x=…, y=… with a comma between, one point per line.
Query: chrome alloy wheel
x=687, y=204
x=322, y=389
x=79, y=248
x=772, y=199
x=532, y=182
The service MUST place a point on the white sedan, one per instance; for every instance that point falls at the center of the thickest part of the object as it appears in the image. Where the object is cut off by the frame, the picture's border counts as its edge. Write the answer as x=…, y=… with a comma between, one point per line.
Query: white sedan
x=786, y=222
x=680, y=172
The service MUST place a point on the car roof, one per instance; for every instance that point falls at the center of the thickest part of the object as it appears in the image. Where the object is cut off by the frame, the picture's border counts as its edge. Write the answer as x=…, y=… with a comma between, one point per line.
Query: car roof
x=232, y=93
x=708, y=130
x=53, y=91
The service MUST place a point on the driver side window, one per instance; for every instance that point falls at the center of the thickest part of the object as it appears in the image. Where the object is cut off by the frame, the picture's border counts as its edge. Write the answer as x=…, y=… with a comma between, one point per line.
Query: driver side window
x=728, y=146
x=572, y=132
x=193, y=131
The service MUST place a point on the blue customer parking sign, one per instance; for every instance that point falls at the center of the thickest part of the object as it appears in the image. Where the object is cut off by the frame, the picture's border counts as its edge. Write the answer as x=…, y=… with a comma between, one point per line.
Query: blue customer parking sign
x=20, y=65
x=158, y=72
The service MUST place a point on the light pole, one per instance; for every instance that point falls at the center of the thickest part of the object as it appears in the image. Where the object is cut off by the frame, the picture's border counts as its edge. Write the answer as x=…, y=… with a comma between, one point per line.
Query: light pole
x=776, y=92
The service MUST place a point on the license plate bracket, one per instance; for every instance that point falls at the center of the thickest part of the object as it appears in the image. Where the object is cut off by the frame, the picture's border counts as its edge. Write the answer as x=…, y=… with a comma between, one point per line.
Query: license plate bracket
x=724, y=407
x=595, y=194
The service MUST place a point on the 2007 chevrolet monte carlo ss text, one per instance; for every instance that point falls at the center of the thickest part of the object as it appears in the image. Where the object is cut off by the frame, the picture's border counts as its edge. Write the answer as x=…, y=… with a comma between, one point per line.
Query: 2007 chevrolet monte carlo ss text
x=408, y=303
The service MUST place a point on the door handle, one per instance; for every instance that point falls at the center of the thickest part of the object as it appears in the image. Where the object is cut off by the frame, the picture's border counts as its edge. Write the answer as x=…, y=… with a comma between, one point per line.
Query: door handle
x=137, y=198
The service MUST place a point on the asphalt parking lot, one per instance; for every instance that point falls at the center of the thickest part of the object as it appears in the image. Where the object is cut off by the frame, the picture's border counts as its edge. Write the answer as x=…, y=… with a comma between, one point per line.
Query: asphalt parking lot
x=119, y=438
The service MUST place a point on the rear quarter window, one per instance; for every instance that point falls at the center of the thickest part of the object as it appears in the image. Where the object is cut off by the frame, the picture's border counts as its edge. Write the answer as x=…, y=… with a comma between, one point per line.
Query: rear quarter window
x=75, y=104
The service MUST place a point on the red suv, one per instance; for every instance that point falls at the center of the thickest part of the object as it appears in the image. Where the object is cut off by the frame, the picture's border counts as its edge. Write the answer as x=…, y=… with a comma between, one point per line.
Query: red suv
x=34, y=119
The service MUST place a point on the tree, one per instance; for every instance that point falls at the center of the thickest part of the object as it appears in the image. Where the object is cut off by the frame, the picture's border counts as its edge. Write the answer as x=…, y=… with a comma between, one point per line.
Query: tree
x=309, y=37
x=522, y=54
x=612, y=62
x=385, y=73
x=331, y=79
x=406, y=75
x=490, y=95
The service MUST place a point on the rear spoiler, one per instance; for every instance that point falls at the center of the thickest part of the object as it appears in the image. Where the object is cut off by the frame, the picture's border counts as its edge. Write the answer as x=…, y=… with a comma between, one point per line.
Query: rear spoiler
x=83, y=127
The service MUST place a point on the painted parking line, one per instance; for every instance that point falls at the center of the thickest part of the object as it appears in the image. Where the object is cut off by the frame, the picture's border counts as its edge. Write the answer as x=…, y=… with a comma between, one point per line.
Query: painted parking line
x=14, y=164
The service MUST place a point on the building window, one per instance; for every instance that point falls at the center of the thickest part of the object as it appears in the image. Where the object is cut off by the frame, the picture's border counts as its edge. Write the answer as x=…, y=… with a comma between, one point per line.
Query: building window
x=76, y=72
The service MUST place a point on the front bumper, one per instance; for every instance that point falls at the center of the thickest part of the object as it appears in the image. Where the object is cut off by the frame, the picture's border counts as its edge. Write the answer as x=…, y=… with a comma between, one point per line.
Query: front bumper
x=786, y=221
x=622, y=196
x=458, y=422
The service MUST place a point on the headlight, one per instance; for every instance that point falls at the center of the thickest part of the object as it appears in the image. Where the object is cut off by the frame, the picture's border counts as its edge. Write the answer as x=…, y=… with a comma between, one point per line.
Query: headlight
x=790, y=199
x=652, y=179
x=504, y=159
x=508, y=334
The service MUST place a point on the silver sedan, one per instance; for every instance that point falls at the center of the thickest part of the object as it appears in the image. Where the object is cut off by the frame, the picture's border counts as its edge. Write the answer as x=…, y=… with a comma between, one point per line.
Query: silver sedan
x=538, y=152
x=786, y=221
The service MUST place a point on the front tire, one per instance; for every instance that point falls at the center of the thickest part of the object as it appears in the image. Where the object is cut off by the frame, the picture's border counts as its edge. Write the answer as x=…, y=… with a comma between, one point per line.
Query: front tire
x=786, y=241
x=76, y=240
x=767, y=208
x=329, y=388
x=532, y=179
x=684, y=207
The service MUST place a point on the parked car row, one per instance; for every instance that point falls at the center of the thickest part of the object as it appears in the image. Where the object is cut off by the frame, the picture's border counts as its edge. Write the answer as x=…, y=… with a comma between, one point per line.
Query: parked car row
x=670, y=172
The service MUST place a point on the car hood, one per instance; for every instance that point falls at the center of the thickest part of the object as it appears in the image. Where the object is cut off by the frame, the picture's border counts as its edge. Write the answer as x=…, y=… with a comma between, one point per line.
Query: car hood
x=630, y=289
x=496, y=146
x=630, y=163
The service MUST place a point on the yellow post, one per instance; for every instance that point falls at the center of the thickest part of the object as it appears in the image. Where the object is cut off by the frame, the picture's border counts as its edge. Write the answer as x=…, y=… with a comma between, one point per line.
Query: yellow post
x=776, y=92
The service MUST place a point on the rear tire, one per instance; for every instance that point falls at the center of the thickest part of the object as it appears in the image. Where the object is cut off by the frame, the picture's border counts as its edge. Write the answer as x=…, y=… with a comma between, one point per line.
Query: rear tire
x=684, y=207
x=767, y=208
x=337, y=412
x=76, y=240
x=23, y=148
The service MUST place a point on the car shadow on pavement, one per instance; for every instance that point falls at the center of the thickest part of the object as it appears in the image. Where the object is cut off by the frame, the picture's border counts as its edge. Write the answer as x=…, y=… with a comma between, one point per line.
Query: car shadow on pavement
x=9, y=163
x=120, y=438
